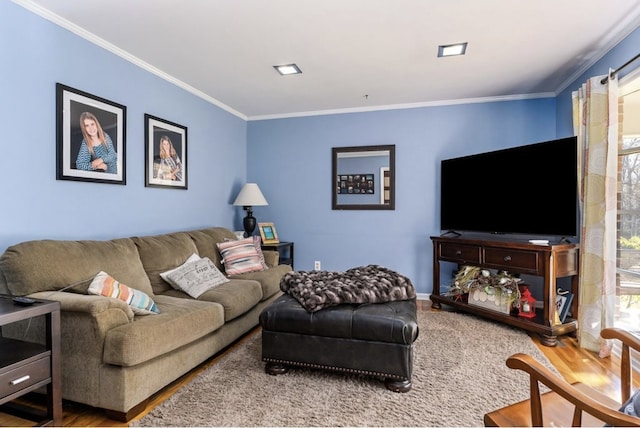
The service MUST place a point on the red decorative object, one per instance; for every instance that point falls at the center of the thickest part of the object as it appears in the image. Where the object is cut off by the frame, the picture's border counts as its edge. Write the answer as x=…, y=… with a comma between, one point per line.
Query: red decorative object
x=527, y=305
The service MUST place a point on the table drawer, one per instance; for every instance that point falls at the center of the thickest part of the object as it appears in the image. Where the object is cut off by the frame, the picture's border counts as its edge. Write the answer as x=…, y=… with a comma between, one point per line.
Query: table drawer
x=512, y=260
x=24, y=376
x=460, y=253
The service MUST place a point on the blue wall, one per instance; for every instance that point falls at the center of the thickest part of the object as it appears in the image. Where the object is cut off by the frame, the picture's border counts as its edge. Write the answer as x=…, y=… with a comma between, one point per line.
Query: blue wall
x=291, y=161
x=289, y=158
x=36, y=54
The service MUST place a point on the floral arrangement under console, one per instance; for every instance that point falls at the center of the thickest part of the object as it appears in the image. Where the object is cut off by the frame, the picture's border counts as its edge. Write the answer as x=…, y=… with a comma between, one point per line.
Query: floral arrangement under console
x=491, y=286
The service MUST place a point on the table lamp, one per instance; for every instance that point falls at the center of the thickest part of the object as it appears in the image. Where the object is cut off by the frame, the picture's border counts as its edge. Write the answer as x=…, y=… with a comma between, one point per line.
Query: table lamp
x=250, y=196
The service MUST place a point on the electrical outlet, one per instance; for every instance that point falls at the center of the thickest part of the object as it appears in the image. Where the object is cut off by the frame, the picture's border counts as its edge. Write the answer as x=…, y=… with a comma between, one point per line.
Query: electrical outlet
x=316, y=265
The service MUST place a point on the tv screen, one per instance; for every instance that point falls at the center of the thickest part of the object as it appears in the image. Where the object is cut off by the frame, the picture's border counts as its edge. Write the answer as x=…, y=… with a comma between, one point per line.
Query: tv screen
x=530, y=190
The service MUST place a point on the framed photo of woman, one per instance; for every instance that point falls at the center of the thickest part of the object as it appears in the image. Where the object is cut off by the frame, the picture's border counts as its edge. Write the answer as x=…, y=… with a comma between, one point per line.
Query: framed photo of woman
x=166, y=153
x=90, y=137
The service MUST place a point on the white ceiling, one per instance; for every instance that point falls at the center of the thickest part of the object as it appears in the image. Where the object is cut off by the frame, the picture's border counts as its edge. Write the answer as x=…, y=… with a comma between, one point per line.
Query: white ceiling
x=356, y=55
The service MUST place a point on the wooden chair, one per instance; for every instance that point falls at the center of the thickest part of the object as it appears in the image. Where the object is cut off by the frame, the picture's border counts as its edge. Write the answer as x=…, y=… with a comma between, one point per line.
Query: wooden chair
x=568, y=404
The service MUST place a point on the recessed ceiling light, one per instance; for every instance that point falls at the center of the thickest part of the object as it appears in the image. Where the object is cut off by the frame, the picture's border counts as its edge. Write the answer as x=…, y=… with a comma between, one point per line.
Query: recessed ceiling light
x=287, y=69
x=452, y=50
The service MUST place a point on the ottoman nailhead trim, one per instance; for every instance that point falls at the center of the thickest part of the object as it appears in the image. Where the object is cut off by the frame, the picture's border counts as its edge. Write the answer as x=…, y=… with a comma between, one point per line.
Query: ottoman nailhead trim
x=338, y=369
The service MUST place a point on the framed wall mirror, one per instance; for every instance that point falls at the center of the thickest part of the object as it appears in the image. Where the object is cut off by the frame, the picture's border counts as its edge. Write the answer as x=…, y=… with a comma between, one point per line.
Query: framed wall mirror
x=363, y=178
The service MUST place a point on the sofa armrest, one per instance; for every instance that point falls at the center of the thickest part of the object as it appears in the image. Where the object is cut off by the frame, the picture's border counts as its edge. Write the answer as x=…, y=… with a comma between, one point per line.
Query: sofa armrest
x=271, y=257
x=85, y=322
x=92, y=305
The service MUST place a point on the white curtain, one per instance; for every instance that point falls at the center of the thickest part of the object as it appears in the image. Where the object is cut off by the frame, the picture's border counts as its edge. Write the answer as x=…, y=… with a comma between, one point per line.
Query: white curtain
x=595, y=121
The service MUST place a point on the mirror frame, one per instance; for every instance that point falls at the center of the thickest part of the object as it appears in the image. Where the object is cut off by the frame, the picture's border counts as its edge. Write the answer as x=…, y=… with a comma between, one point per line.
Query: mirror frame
x=391, y=148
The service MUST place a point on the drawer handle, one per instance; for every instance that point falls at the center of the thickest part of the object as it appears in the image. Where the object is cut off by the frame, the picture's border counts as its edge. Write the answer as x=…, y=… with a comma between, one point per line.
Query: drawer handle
x=20, y=380
x=458, y=253
x=507, y=258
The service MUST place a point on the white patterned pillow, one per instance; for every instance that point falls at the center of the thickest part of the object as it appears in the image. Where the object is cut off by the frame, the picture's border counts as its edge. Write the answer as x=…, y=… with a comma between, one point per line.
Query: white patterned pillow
x=241, y=256
x=196, y=277
x=105, y=285
x=192, y=258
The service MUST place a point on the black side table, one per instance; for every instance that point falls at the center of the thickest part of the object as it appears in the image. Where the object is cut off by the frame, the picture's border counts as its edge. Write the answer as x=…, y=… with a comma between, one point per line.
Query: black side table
x=285, y=249
x=27, y=366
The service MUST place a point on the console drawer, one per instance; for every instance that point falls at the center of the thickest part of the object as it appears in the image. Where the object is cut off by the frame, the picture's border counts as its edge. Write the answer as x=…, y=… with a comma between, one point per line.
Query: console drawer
x=460, y=253
x=24, y=376
x=512, y=260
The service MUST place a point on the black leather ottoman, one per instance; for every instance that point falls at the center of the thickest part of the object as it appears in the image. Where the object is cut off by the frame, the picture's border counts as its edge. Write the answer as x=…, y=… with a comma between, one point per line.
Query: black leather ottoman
x=371, y=339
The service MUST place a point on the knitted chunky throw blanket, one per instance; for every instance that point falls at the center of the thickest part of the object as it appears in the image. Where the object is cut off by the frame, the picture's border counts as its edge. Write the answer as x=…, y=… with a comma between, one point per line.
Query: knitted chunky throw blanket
x=317, y=290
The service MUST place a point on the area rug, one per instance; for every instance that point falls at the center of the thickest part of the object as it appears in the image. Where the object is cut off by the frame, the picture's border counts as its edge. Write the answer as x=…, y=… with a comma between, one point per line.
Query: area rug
x=459, y=375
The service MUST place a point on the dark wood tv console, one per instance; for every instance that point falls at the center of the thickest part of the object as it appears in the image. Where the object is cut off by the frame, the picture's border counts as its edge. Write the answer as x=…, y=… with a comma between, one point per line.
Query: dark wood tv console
x=550, y=262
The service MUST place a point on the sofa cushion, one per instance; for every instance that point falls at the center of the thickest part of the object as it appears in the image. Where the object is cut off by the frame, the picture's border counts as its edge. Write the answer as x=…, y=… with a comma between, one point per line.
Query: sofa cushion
x=105, y=285
x=206, y=240
x=241, y=256
x=196, y=277
x=161, y=253
x=271, y=257
x=45, y=265
x=180, y=322
x=269, y=279
x=237, y=296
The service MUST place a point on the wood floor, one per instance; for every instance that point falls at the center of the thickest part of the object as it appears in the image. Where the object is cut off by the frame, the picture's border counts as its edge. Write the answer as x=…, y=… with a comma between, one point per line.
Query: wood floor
x=573, y=363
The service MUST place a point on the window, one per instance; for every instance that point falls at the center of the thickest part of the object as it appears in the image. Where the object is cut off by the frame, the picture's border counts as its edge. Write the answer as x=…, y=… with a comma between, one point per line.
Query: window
x=627, y=311
x=628, y=281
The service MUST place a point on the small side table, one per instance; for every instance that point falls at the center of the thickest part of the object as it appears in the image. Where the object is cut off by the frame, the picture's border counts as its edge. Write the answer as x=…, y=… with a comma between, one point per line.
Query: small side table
x=285, y=249
x=27, y=366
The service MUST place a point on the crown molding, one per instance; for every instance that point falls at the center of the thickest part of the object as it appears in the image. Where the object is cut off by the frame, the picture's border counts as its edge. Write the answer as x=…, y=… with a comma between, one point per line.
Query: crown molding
x=621, y=31
x=405, y=106
x=92, y=38
x=624, y=28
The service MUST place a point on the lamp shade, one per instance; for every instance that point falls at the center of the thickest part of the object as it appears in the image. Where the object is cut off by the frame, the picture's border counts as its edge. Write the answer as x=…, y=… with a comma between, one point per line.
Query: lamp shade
x=250, y=196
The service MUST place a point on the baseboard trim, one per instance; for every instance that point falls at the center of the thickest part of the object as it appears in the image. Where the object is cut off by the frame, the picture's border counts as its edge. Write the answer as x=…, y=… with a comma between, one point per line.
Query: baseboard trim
x=423, y=296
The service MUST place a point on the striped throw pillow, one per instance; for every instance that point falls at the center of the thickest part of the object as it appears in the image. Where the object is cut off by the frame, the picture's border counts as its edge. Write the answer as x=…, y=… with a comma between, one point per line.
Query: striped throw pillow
x=105, y=285
x=242, y=256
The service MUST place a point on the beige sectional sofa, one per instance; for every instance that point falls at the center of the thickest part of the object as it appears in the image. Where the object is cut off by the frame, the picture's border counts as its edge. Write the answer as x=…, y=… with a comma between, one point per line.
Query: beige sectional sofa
x=111, y=358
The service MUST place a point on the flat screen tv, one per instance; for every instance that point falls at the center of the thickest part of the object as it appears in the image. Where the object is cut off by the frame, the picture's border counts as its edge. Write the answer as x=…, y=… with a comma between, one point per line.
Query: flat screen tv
x=528, y=190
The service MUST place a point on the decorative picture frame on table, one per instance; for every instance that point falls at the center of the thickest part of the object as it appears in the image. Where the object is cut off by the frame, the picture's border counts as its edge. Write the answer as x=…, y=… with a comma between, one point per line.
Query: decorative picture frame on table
x=563, y=304
x=268, y=233
x=81, y=116
x=165, y=147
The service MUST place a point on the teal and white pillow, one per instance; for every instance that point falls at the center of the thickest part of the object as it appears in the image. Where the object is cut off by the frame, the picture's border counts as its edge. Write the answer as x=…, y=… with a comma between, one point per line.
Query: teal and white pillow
x=105, y=285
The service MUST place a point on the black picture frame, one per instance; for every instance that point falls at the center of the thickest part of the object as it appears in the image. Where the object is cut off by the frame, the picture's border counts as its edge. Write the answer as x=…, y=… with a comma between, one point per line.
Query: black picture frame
x=77, y=161
x=563, y=304
x=166, y=168
x=341, y=165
